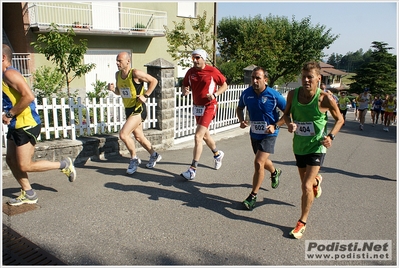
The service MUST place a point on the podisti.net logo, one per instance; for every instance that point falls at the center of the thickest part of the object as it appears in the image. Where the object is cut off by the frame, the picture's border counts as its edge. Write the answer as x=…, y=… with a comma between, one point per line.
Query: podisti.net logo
x=348, y=250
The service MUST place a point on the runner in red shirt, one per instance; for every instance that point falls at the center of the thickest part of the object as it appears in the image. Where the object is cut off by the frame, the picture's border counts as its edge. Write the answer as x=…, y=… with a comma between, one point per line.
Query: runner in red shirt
x=206, y=83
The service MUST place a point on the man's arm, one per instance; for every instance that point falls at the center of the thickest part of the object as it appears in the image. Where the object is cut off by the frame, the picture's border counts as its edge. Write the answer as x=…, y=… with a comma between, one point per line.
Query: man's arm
x=149, y=79
x=221, y=89
x=112, y=87
x=146, y=78
x=240, y=116
x=287, y=112
x=15, y=80
x=327, y=103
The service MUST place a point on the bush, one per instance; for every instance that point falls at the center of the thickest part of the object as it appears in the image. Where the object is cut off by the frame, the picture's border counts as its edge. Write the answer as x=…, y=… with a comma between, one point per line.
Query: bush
x=100, y=90
x=48, y=82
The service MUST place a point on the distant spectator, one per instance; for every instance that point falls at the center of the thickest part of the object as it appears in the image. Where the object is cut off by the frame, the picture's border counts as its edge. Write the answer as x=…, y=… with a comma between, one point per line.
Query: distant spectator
x=364, y=100
x=343, y=102
x=324, y=88
x=376, y=109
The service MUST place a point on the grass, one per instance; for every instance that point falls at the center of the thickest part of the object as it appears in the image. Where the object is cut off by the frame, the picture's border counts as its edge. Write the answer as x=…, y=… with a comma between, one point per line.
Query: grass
x=346, y=79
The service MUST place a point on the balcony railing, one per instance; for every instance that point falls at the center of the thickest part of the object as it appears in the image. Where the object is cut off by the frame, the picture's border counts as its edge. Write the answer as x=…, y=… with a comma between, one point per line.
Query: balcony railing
x=83, y=17
x=21, y=62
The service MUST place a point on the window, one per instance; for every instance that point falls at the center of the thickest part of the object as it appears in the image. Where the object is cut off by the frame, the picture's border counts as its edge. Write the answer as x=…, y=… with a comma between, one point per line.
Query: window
x=186, y=9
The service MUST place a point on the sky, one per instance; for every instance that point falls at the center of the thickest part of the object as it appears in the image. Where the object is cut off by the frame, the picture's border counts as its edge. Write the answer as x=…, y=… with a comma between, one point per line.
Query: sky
x=358, y=24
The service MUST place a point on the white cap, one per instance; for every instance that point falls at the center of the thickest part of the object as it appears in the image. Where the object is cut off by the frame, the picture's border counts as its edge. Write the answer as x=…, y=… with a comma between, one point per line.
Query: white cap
x=200, y=52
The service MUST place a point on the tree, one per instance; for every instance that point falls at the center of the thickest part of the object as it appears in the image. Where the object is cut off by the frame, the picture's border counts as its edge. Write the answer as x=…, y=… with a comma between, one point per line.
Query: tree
x=335, y=60
x=275, y=43
x=181, y=43
x=100, y=90
x=61, y=49
x=47, y=82
x=379, y=74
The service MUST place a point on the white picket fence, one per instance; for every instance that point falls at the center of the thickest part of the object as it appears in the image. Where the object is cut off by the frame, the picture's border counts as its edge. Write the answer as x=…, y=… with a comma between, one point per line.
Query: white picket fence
x=185, y=124
x=70, y=118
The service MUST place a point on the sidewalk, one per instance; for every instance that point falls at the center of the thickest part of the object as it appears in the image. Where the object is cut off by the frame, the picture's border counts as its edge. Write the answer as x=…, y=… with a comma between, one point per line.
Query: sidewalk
x=156, y=217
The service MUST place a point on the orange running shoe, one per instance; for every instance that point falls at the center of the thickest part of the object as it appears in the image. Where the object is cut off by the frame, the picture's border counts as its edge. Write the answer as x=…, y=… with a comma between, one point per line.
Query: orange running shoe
x=317, y=189
x=298, y=231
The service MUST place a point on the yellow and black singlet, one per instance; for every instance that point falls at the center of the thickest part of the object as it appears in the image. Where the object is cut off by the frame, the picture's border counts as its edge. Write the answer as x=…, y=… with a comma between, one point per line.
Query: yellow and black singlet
x=27, y=117
x=129, y=90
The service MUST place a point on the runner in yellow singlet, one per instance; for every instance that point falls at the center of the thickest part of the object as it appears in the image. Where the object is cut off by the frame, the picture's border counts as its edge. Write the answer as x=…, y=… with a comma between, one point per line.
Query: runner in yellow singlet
x=129, y=85
x=389, y=106
x=19, y=114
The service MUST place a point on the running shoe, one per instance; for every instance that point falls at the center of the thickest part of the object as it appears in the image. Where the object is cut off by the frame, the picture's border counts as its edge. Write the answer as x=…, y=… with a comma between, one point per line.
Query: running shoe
x=69, y=170
x=317, y=189
x=250, y=202
x=189, y=174
x=298, y=231
x=153, y=160
x=276, y=178
x=218, y=160
x=24, y=198
x=133, y=165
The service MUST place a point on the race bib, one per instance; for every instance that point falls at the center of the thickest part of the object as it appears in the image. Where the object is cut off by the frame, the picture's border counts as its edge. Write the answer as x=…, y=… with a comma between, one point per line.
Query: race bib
x=342, y=106
x=198, y=110
x=125, y=93
x=258, y=127
x=305, y=129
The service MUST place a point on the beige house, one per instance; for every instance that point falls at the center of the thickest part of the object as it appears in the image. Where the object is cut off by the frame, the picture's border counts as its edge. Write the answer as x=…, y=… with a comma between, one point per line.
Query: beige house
x=109, y=27
x=332, y=77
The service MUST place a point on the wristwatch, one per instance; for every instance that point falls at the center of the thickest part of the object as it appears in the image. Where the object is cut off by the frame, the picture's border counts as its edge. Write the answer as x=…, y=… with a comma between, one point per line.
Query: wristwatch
x=332, y=136
x=9, y=114
x=276, y=126
x=146, y=96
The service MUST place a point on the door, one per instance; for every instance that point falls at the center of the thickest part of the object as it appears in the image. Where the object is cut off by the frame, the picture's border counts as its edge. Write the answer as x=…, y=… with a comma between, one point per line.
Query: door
x=105, y=61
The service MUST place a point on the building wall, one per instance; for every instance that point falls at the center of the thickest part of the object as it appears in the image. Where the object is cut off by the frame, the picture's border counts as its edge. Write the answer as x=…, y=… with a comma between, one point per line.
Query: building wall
x=145, y=49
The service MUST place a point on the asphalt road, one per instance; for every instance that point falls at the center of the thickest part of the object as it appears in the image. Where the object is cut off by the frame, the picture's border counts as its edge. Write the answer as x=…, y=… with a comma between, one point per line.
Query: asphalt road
x=156, y=217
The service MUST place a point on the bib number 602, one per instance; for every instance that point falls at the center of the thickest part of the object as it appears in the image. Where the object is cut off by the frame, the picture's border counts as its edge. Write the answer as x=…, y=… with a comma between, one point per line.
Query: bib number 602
x=259, y=127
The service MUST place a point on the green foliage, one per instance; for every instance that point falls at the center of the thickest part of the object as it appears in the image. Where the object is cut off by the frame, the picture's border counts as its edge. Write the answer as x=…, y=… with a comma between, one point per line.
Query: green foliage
x=181, y=43
x=47, y=82
x=61, y=49
x=351, y=61
x=138, y=27
x=379, y=74
x=275, y=43
x=233, y=72
x=100, y=90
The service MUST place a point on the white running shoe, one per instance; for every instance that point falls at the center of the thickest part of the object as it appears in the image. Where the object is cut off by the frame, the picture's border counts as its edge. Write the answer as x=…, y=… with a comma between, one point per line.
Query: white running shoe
x=218, y=160
x=153, y=160
x=189, y=174
x=133, y=165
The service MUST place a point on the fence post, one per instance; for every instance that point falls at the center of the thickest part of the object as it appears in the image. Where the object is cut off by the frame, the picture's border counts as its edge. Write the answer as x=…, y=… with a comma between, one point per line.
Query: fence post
x=164, y=94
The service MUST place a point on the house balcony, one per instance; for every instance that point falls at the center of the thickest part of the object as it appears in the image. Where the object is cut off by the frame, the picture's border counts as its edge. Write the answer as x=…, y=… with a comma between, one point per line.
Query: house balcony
x=95, y=18
x=20, y=61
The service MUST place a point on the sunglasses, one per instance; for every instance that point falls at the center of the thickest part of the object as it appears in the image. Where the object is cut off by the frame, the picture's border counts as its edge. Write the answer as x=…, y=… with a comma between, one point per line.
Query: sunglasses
x=197, y=57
